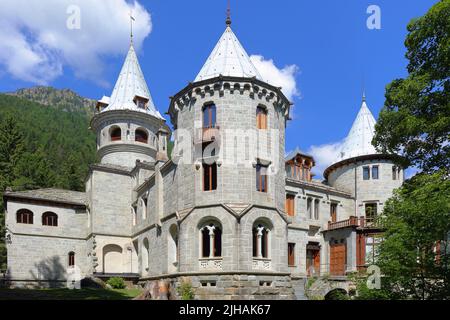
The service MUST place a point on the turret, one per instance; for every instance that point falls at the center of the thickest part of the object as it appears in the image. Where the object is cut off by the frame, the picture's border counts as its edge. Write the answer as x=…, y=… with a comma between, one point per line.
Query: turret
x=360, y=170
x=127, y=124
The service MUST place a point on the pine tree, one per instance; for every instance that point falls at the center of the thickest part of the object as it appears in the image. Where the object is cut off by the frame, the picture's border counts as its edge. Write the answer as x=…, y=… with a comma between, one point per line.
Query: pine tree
x=11, y=148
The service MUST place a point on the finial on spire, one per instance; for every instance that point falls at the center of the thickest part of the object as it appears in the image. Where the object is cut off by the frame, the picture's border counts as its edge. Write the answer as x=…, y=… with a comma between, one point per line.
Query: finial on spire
x=228, y=21
x=131, y=26
x=364, y=95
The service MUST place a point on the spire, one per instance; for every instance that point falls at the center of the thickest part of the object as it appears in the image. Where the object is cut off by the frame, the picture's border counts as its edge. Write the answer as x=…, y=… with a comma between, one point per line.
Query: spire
x=359, y=139
x=228, y=58
x=131, y=84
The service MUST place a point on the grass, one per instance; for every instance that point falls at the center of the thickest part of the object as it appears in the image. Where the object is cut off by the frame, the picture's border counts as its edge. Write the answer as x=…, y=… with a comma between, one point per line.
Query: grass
x=67, y=294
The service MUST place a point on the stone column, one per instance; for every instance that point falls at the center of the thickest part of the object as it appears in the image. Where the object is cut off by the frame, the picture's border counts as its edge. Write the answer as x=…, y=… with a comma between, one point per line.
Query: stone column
x=259, y=239
x=211, y=240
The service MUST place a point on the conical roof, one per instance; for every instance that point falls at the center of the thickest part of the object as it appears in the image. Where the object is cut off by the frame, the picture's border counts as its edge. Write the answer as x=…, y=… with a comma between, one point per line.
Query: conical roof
x=359, y=140
x=228, y=58
x=131, y=83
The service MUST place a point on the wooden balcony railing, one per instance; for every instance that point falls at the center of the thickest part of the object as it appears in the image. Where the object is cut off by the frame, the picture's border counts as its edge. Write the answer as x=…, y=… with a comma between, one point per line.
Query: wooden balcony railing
x=353, y=221
x=209, y=134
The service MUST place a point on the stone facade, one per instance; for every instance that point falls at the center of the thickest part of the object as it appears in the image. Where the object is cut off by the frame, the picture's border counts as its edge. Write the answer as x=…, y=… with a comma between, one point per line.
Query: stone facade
x=153, y=219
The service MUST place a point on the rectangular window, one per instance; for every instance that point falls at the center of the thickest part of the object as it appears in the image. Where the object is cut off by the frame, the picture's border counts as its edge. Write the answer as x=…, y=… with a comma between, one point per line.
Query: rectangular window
x=261, y=118
x=333, y=212
x=209, y=116
x=375, y=172
x=316, y=209
x=290, y=205
x=396, y=173
x=366, y=173
x=309, y=207
x=371, y=213
x=261, y=178
x=291, y=254
x=209, y=177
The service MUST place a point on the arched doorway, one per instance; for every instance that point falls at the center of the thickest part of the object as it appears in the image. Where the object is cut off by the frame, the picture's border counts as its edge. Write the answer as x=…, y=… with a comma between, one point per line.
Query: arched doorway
x=112, y=259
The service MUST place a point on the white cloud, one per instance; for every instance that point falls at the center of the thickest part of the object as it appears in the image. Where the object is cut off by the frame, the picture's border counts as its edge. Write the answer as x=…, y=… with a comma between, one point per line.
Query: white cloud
x=275, y=76
x=36, y=44
x=325, y=155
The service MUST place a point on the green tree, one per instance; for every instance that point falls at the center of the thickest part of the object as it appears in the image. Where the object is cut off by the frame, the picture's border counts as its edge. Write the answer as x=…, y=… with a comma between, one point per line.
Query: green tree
x=415, y=120
x=417, y=219
x=32, y=171
x=11, y=148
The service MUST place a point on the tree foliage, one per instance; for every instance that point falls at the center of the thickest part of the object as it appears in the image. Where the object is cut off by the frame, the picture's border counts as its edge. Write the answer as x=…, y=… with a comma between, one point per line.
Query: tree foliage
x=415, y=120
x=417, y=222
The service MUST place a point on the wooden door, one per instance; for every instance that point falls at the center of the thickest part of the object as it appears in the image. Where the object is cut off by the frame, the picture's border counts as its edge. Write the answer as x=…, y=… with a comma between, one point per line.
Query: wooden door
x=313, y=262
x=338, y=258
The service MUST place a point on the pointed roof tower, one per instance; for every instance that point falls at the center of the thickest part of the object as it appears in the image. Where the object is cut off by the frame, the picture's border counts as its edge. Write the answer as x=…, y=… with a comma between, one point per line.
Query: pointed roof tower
x=129, y=86
x=228, y=58
x=359, y=140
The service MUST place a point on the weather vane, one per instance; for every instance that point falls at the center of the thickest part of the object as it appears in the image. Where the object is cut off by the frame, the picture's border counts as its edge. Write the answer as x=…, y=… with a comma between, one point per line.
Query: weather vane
x=131, y=25
x=228, y=21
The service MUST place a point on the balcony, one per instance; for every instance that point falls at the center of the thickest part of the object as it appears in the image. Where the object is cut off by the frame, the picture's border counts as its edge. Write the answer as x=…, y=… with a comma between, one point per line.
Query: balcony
x=206, y=264
x=203, y=135
x=353, y=221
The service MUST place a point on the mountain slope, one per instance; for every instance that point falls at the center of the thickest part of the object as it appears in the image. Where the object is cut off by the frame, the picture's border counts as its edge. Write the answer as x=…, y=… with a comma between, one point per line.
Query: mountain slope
x=58, y=134
x=65, y=99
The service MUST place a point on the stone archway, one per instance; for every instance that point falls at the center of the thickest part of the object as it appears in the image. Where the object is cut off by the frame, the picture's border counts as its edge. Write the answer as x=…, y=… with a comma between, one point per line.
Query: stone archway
x=336, y=294
x=112, y=259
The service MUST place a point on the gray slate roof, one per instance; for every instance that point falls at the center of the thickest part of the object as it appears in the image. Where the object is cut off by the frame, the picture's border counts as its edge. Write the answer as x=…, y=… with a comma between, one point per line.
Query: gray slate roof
x=53, y=195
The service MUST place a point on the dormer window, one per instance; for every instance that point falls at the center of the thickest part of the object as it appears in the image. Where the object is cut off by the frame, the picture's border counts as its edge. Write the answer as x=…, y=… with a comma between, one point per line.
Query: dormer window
x=141, y=102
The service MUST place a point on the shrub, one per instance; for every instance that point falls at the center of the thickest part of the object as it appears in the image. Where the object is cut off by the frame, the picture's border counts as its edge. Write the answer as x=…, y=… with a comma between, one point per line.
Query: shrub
x=116, y=283
x=186, y=291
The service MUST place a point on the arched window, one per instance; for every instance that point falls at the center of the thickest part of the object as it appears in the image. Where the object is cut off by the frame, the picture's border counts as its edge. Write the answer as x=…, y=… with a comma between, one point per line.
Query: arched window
x=71, y=259
x=211, y=238
x=261, y=240
x=144, y=202
x=172, y=247
x=134, y=215
x=50, y=219
x=145, y=256
x=116, y=134
x=141, y=136
x=24, y=216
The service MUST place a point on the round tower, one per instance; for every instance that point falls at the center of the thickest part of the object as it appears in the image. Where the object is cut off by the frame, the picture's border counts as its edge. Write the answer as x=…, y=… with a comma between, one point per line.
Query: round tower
x=229, y=132
x=127, y=124
x=236, y=121
x=360, y=170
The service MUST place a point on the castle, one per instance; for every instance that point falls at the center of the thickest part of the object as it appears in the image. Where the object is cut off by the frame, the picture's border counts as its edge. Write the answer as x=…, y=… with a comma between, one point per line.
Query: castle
x=227, y=210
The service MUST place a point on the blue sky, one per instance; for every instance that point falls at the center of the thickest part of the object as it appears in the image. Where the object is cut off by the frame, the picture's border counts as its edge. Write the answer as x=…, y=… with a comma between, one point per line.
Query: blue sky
x=327, y=40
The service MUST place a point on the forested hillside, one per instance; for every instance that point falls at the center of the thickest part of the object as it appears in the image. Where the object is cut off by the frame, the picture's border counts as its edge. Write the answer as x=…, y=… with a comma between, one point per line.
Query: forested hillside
x=43, y=145
x=65, y=99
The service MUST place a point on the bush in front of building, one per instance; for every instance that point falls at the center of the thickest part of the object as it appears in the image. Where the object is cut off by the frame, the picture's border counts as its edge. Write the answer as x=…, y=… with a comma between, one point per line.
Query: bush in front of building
x=116, y=283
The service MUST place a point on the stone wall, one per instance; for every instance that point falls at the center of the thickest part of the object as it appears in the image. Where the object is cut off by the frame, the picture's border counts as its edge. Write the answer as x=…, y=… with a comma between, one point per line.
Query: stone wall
x=229, y=286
